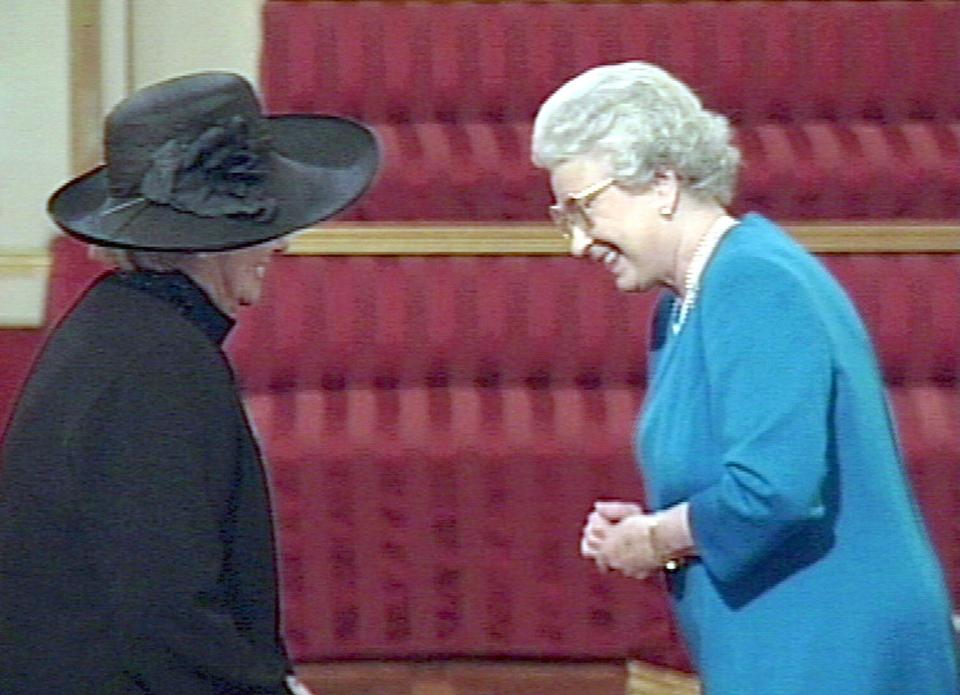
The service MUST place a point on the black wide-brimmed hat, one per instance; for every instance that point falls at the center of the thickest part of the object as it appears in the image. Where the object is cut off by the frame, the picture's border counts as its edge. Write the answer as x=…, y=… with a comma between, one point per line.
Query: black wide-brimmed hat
x=193, y=165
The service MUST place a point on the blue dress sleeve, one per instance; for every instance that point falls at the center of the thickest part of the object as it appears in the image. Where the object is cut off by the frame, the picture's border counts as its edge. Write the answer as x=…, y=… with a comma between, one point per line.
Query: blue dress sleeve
x=769, y=378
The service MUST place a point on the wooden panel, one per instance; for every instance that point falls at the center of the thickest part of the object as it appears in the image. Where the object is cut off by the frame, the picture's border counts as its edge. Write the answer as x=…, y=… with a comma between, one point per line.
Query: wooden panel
x=494, y=2
x=494, y=678
x=85, y=98
x=901, y=236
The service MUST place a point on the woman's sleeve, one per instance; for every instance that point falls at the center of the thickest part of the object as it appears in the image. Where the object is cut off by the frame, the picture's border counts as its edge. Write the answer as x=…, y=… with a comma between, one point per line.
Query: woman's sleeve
x=160, y=465
x=769, y=375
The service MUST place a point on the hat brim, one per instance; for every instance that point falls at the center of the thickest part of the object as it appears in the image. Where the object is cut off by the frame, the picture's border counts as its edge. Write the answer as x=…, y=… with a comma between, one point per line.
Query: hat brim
x=317, y=167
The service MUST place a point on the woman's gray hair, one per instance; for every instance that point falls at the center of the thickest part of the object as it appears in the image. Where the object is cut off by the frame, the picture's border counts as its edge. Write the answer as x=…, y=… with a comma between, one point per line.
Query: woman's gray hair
x=136, y=259
x=644, y=121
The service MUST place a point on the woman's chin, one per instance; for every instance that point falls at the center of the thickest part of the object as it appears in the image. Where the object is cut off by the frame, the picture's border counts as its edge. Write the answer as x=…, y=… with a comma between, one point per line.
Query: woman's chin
x=627, y=282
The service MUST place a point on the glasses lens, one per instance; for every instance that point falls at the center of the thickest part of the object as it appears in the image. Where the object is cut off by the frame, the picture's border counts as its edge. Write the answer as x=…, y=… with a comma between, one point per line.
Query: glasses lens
x=559, y=217
x=571, y=215
x=579, y=217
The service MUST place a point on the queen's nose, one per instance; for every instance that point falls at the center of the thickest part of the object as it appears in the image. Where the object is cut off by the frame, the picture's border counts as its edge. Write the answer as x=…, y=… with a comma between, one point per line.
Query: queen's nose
x=580, y=241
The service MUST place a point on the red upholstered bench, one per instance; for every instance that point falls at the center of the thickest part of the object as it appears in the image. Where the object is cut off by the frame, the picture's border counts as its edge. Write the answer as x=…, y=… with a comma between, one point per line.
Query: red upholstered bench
x=843, y=109
x=438, y=428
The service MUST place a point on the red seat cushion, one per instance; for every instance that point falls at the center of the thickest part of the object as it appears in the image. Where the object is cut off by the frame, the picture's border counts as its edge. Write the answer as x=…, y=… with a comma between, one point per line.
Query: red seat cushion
x=819, y=169
x=845, y=110
x=420, y=520
x=439, y=427
x=757, y=62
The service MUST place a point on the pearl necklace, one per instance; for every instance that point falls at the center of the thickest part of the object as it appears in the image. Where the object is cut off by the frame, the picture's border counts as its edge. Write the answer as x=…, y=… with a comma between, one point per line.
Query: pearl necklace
x=698, y=262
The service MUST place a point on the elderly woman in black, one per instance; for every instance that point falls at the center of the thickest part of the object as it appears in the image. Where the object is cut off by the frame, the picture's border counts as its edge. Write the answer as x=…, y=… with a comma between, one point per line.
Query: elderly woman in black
x=136, y=540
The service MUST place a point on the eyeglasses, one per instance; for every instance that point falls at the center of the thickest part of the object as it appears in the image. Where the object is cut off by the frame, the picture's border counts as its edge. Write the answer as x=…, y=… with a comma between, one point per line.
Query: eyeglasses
x=572, y=215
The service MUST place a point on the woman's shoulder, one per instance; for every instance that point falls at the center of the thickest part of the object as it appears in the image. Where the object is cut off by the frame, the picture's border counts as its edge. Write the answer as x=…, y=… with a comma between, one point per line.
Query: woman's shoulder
x=760, y=272
x=757, y=236
x=758, y=250
x=132, y=327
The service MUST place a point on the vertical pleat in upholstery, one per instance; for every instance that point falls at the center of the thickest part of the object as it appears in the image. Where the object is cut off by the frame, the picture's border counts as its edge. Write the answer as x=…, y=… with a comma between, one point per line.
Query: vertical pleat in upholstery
x=910, y=304
x=448, y=426
x=401, y=321
x=438, y=427
x=924, y=63
x=927, y=419
x=452, y=88
x=432, y=520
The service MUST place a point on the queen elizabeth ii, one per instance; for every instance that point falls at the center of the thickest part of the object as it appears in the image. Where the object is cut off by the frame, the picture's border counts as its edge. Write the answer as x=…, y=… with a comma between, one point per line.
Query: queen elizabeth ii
x=778, y=505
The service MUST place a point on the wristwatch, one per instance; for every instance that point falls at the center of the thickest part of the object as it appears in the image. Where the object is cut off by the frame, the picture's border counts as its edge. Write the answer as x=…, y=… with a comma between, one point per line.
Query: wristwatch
x=669, y=562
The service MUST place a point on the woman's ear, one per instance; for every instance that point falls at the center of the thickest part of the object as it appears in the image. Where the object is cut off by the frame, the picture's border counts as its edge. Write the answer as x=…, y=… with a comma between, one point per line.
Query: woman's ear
x=665, y=180
x=666, y=184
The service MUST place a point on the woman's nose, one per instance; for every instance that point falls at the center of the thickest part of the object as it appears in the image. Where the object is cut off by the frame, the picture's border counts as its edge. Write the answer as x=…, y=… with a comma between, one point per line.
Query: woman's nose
x=579, y=242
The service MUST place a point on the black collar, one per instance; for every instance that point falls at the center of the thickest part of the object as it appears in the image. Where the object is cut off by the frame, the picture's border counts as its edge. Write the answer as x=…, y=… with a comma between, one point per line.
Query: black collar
x=184, y=295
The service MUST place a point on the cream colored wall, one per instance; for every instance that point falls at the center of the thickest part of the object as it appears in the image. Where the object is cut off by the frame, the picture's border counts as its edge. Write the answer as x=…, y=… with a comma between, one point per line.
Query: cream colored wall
x=34, y=146
x=176, y=36
x=63, y=65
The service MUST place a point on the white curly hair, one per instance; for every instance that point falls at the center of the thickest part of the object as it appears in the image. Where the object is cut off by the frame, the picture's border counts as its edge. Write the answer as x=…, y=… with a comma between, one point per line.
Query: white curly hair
x=644, y=121
x=134, y=259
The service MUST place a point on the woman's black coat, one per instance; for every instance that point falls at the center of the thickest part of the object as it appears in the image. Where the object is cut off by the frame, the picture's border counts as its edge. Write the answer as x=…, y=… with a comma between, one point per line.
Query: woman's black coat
x=136, y=541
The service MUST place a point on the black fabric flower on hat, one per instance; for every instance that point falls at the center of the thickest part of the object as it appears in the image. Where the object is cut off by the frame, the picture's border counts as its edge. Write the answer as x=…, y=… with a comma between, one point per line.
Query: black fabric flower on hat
x=221, y=173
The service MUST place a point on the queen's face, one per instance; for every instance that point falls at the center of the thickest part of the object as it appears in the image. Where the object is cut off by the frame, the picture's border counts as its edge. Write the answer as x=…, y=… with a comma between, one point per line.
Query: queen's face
x=624, y=230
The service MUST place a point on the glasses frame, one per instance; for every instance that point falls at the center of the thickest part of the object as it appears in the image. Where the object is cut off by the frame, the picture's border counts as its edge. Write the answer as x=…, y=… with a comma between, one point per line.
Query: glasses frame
x=573, y=214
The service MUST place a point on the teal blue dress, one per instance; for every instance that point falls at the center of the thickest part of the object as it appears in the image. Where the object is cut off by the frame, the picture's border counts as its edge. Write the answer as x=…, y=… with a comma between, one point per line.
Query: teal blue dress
x=768, y=413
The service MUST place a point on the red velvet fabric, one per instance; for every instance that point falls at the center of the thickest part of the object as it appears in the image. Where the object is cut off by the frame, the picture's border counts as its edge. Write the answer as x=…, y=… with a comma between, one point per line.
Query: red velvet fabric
x=384, y=322
x=70, y=273
x=785, y=62
x=18, y=348
x=438, y=429
x=847, y=110
x=441, y=426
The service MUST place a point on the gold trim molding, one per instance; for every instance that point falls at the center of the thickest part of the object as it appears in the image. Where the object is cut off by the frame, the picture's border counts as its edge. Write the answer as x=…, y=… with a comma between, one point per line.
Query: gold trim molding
x=908, y=236
x=450, y=676
x=646, y=679
x=428, y=239
x=85, y=84
x=354, y=239
x=21, y=268
x=24, y=261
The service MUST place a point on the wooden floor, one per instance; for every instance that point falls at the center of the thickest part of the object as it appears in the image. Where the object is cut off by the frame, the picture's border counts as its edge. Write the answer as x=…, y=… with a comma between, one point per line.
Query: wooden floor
x=494, y=678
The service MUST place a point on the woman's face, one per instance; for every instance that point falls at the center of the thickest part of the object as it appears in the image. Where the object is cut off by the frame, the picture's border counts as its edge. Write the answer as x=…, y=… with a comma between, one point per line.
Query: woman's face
x=242, y=272
x=626, y=232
